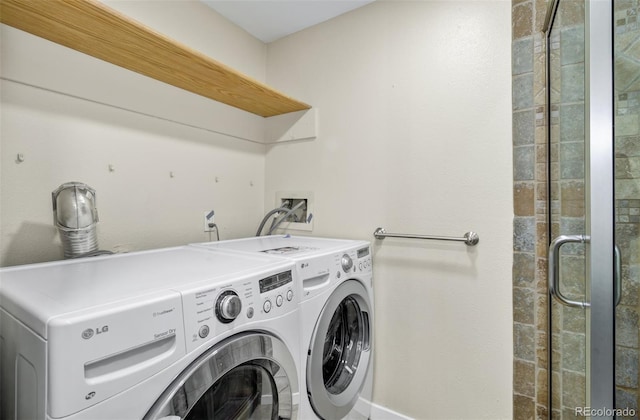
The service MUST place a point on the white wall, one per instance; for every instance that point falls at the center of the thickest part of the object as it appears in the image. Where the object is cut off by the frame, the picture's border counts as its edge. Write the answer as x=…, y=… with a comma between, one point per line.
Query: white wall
x=72, y=135
x=415, y=136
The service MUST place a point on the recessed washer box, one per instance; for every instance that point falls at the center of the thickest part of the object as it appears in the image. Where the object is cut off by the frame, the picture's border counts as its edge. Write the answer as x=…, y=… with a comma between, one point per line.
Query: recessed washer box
x=302, y=217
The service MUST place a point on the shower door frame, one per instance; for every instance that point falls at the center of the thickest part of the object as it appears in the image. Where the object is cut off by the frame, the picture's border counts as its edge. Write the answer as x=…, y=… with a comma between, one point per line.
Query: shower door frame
x=599, y=203
x=600, y=206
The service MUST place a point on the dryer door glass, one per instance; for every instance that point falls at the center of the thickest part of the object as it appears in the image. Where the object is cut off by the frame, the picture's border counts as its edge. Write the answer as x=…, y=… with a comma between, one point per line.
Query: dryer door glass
x=342, y=346
x=339, y=352
x=248, y=376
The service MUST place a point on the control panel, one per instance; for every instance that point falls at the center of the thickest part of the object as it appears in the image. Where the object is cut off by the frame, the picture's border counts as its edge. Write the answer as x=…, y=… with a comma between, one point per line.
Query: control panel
x=216, y=309
x=318, y=273
x=357, y=260
x=364, y=259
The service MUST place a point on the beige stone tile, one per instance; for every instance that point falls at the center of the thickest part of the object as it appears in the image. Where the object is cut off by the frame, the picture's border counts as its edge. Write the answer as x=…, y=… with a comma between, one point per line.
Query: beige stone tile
x=572, y=198
x=522, y=20
x=541, y=316
x=541, y=171
x=541, y=155
x=541, y=192
x=541, y=274
x=524, y=408
x=573, y=389
x=542, y=412
x=523, y=305
x=542, y=243
x=523, y=269
x=541, y=130
x=524, y=378
x=523, y=199
x=542, y=388
x=571, y=12
x=541, y=7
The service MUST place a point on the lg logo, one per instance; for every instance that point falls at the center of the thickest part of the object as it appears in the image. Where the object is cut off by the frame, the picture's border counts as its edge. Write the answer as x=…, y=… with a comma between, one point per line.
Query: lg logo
x=90, y=332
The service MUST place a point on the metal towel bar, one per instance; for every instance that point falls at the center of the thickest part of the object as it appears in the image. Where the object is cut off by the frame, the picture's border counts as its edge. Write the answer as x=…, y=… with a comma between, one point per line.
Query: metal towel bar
x=469, y=238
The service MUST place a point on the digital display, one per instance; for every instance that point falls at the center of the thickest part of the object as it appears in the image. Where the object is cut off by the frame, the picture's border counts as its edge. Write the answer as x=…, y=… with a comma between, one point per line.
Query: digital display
x=275, y=281
x=363, y=252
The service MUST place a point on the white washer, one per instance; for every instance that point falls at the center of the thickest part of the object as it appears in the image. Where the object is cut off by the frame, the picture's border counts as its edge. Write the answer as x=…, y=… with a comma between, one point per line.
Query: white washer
x=336, y=312
x=178, y=332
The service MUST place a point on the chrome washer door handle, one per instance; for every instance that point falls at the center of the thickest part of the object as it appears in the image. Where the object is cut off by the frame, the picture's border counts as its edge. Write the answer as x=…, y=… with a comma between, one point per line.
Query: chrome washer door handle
x=554, y=268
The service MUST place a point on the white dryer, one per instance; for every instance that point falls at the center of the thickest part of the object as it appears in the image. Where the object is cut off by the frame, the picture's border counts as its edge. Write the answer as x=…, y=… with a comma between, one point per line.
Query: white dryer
x=336, y=313
x=181, y=333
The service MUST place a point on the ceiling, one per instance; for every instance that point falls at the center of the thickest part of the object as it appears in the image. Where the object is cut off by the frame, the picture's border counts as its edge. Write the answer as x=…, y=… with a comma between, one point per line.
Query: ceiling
x=269, y=20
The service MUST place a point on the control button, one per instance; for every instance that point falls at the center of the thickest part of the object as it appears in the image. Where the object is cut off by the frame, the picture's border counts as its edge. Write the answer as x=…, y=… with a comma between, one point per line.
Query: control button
x=279, y=300
x=228, y=306
x=289, y=295
x=346, y=262
x=204, y=331
x=360, y=266
x=250, y=312
x=267, y=306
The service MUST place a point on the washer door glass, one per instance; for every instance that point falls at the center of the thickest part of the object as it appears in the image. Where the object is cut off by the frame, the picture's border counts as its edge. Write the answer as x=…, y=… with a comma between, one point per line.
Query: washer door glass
x=248, y=376
x=246, y=392
x=339, y=351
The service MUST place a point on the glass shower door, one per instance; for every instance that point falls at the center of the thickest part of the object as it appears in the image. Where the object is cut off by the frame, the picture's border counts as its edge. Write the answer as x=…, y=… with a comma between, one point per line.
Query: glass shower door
x=567, y=326
x=581, y=253
x=627, y=202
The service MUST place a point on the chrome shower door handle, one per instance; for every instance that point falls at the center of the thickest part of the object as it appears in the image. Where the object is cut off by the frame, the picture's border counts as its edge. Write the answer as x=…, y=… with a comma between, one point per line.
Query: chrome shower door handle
x=617, y=260
x=554, y=268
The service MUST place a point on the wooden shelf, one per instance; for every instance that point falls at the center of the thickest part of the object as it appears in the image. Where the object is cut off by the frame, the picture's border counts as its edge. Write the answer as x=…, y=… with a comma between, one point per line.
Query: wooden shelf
x=97, y=30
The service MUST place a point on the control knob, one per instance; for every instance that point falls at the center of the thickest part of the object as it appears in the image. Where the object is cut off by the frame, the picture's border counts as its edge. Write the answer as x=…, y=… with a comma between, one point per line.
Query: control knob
x=346, y=262
x=228, y=306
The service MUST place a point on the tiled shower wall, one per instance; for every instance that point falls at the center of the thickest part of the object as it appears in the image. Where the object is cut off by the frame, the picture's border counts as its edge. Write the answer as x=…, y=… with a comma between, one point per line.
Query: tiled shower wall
x=567, y=195
x=530, y=205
